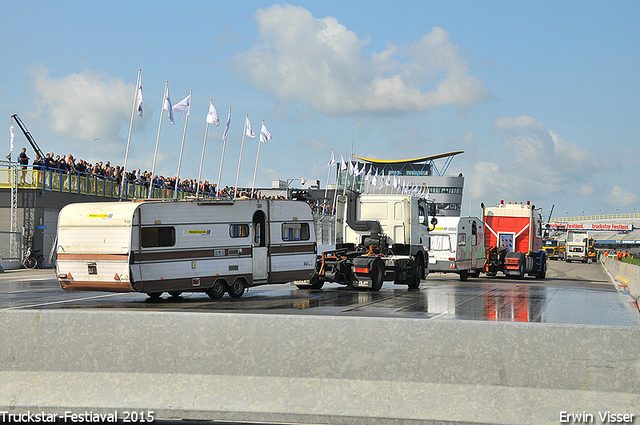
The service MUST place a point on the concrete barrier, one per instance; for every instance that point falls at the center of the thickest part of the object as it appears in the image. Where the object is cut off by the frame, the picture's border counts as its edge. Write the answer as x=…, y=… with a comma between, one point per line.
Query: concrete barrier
x=333, y=370
x=625, y=274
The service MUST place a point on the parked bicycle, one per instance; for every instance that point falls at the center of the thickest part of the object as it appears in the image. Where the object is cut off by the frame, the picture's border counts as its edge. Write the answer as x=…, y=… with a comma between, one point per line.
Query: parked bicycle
x=32, y=259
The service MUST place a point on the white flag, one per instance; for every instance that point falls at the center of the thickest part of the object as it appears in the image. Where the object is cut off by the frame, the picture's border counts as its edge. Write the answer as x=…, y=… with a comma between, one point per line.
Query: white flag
x=368, y=176
x=139, y=99
x=332, y=161
x=265, y=136
x=350, y=167
x=362, y=171
x=387, y=182
x=427, y=193
x=226, y=129
x=395, y=182
x=247, y=124
x=343, y=166
x=374, y=179
x=212, y=116
x=184, y=106
x=167, y=105
x=356, y=171
x=12, y=136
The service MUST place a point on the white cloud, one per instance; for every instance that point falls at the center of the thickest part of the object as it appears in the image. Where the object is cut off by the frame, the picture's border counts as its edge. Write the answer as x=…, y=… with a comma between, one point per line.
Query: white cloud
x=83, y=106
x=320, y=62
x=620, y=197
x=533, y=163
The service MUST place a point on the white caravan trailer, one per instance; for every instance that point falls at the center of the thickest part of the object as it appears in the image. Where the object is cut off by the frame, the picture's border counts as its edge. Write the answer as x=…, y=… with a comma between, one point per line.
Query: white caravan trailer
x=457, y=246
x=577, y=246
x=184, y=246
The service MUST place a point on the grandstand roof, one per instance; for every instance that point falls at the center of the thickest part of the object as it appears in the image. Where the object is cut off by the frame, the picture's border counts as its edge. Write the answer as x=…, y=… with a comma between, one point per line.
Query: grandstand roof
x=398, y=161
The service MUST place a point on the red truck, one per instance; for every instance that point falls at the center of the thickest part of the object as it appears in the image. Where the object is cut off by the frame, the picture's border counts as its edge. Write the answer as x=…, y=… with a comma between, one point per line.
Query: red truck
x=513, y=240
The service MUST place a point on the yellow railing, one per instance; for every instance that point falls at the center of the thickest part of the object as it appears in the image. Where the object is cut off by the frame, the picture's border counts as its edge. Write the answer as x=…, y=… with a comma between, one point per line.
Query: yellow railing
x=86, y=184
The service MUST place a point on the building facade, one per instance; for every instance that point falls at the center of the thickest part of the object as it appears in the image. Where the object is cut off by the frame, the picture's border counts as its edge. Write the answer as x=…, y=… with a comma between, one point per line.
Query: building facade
x=423, y=173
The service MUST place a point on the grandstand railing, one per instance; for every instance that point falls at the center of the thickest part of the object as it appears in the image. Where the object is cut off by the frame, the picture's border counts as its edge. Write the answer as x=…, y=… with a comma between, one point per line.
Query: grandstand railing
x=88, y=184
x=595, y=217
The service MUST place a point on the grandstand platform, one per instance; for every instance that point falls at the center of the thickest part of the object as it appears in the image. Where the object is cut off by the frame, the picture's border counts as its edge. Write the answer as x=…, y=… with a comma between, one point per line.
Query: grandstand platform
x=609, y=231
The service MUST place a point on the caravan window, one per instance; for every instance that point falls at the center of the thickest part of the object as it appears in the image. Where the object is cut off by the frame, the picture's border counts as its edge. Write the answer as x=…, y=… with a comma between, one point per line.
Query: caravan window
x=239, y=230
x=474, y=234
x=295, y=232
x=157, y=236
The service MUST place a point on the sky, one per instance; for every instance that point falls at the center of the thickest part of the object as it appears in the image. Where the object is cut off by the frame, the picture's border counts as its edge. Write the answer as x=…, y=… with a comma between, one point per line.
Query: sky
x=543, y=97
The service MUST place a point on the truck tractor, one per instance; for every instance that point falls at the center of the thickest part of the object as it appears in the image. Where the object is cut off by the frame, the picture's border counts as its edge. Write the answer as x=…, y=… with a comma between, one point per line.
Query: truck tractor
x=378, y=238
x=513, y=240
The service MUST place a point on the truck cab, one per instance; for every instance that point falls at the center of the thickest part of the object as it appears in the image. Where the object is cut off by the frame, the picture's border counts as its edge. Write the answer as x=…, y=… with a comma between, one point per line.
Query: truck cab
x=378, y=238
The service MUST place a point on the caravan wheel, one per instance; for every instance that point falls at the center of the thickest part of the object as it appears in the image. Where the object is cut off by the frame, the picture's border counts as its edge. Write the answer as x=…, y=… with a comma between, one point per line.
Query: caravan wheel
x=154, y=296
x=236, y=289
x=217, y=290
x=464, y=275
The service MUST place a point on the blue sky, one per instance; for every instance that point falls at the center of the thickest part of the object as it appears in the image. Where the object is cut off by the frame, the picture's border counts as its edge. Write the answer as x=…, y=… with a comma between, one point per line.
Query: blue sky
x=542, y=96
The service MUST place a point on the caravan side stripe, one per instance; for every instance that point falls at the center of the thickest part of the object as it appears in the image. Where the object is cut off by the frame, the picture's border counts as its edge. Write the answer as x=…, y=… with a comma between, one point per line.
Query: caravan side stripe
x=92, y=257
x=290, y=249
x=183, y=255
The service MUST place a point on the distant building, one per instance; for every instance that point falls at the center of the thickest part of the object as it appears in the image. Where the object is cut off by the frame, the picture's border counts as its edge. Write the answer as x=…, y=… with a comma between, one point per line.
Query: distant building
x=445, y=191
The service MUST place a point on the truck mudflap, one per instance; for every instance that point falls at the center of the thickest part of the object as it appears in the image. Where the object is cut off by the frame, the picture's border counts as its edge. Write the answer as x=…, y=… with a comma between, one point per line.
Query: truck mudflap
x=514, y=264
x=368, y=272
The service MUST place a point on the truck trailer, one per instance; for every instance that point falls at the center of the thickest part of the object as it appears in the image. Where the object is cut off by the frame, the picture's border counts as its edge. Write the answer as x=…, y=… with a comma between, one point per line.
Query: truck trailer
x=214, y=246
x=513, y=239
x=457, y=246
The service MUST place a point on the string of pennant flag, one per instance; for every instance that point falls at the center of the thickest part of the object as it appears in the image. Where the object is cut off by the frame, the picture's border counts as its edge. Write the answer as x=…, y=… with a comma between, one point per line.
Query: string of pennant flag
x=374, y=181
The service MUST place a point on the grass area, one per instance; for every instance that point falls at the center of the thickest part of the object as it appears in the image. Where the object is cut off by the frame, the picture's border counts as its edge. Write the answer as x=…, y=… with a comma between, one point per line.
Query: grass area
x=630, y=260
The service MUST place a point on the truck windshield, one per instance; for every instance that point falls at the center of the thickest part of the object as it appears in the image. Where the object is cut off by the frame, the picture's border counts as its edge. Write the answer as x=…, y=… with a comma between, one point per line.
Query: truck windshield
x=440, y=242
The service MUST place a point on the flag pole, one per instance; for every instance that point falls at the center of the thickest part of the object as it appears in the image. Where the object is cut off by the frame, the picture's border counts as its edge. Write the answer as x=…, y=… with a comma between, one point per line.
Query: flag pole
x=126, y=155
x=155, y=153
x=224, y=145
x=235, y=189
x=255, y=171
x=326, y=187
x=184, y=133
x=204, y=144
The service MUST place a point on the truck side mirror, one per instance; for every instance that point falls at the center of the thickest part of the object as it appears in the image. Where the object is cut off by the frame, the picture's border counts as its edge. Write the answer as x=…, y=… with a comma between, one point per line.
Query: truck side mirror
x=434, y=221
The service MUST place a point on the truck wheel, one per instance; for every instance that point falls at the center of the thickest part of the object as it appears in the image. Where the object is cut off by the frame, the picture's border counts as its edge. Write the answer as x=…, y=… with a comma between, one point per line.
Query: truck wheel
x=236, y=289
x=377, y=274
x=217, y=290
x=418, y=269
x=464, y=275
x=154, y=296
x=542, y=273
x=314, y=283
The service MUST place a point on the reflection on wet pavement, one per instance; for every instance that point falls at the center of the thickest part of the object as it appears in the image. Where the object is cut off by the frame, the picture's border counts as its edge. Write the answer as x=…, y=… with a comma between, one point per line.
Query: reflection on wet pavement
x=571, y=294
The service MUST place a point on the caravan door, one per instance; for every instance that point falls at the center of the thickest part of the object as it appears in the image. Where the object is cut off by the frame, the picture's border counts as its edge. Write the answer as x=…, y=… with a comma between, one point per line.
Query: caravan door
x=260, y=251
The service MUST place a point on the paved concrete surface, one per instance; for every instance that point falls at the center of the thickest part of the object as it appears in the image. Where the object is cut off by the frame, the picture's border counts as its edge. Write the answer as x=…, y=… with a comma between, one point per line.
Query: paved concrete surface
x=448, y=353
x=572, y=293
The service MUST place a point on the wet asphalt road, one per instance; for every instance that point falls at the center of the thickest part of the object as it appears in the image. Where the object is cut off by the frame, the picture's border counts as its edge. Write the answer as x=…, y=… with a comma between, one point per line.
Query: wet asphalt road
x=572, y=293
